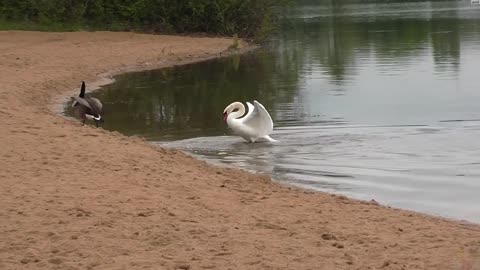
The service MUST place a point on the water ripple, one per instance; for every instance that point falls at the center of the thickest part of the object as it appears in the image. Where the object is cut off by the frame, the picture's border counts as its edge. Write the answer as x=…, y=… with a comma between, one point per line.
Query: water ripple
x=396, y=165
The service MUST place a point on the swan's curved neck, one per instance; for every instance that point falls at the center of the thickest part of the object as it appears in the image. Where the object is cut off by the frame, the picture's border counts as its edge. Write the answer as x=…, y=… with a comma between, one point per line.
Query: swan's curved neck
x=239, y=113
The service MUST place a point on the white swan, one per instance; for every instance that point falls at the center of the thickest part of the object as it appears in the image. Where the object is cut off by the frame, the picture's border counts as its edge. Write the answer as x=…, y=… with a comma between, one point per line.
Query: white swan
x=256, y=124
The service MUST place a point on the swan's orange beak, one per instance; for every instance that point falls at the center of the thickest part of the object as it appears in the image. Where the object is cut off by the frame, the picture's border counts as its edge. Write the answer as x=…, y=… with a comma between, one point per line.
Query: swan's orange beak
x=225, y=115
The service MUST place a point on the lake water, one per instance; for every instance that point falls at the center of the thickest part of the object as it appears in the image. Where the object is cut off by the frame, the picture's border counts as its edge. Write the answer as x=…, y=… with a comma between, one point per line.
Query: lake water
x=374, y=101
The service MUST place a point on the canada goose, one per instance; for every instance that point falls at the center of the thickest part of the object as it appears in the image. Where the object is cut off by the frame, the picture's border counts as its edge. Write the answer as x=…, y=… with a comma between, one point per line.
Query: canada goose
x=87, y=107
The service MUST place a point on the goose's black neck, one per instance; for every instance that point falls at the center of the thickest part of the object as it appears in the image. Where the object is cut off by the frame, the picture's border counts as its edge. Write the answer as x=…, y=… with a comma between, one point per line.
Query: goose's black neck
x=82, y=90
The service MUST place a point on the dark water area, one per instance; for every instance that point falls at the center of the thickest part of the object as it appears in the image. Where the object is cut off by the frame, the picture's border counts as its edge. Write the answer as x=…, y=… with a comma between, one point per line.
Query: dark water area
x=371, y=100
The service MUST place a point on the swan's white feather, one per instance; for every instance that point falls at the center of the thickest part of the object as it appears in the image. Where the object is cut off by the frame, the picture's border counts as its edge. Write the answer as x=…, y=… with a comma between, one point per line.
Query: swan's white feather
x=251, y=108
x=259, y=120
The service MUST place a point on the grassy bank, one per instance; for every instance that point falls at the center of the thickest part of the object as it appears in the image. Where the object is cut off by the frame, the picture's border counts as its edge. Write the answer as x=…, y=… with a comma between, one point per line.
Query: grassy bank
x=246, y=18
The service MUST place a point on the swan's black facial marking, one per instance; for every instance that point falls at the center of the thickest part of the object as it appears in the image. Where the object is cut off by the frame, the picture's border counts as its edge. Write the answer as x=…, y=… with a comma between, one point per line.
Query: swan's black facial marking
x=225, y=115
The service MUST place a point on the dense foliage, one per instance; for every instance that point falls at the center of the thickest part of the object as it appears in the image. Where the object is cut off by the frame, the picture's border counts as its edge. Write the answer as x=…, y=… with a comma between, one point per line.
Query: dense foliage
x=246, y=18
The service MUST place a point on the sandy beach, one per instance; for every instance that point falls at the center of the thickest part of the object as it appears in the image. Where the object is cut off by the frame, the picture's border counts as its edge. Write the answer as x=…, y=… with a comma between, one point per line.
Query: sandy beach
x=79, y=197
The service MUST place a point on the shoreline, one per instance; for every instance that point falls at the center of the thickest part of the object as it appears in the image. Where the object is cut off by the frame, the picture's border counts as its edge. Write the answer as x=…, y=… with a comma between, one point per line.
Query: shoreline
x=77, y=197
x=305, y=189
x=58, y=107
x=60, y=101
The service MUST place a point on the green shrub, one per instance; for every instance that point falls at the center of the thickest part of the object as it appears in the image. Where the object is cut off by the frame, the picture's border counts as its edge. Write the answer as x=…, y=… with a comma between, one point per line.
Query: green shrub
x=247, y=18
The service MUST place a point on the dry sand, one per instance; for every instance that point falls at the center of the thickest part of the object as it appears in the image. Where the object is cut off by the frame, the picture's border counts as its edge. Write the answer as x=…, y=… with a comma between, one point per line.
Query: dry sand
x=78, y=197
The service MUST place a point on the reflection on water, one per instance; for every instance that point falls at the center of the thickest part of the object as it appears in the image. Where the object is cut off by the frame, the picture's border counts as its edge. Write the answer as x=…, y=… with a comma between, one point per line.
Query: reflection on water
x=375, y=100
x=187, y=101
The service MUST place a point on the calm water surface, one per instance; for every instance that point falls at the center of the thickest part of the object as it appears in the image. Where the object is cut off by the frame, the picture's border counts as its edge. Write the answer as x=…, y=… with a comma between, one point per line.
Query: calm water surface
x=374, y=101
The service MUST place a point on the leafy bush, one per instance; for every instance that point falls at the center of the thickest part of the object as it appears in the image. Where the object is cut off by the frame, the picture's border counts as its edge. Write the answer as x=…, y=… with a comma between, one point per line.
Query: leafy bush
x=247, y=18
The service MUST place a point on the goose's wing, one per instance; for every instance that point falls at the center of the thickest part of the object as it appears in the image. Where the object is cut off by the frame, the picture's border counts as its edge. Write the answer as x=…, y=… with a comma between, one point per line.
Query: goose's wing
x=258, y=119
x=80, y=111
x=95, y=104
x=82, y=102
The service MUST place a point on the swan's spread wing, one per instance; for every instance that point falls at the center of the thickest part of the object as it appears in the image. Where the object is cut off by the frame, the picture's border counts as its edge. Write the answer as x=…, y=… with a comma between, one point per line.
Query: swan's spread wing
x=251, y=108
x=82, y=102
x=258, y=119
x=96, y=104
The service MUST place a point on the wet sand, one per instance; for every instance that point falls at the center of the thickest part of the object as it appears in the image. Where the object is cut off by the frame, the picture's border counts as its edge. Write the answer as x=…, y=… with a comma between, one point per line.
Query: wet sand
x=78, y=197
